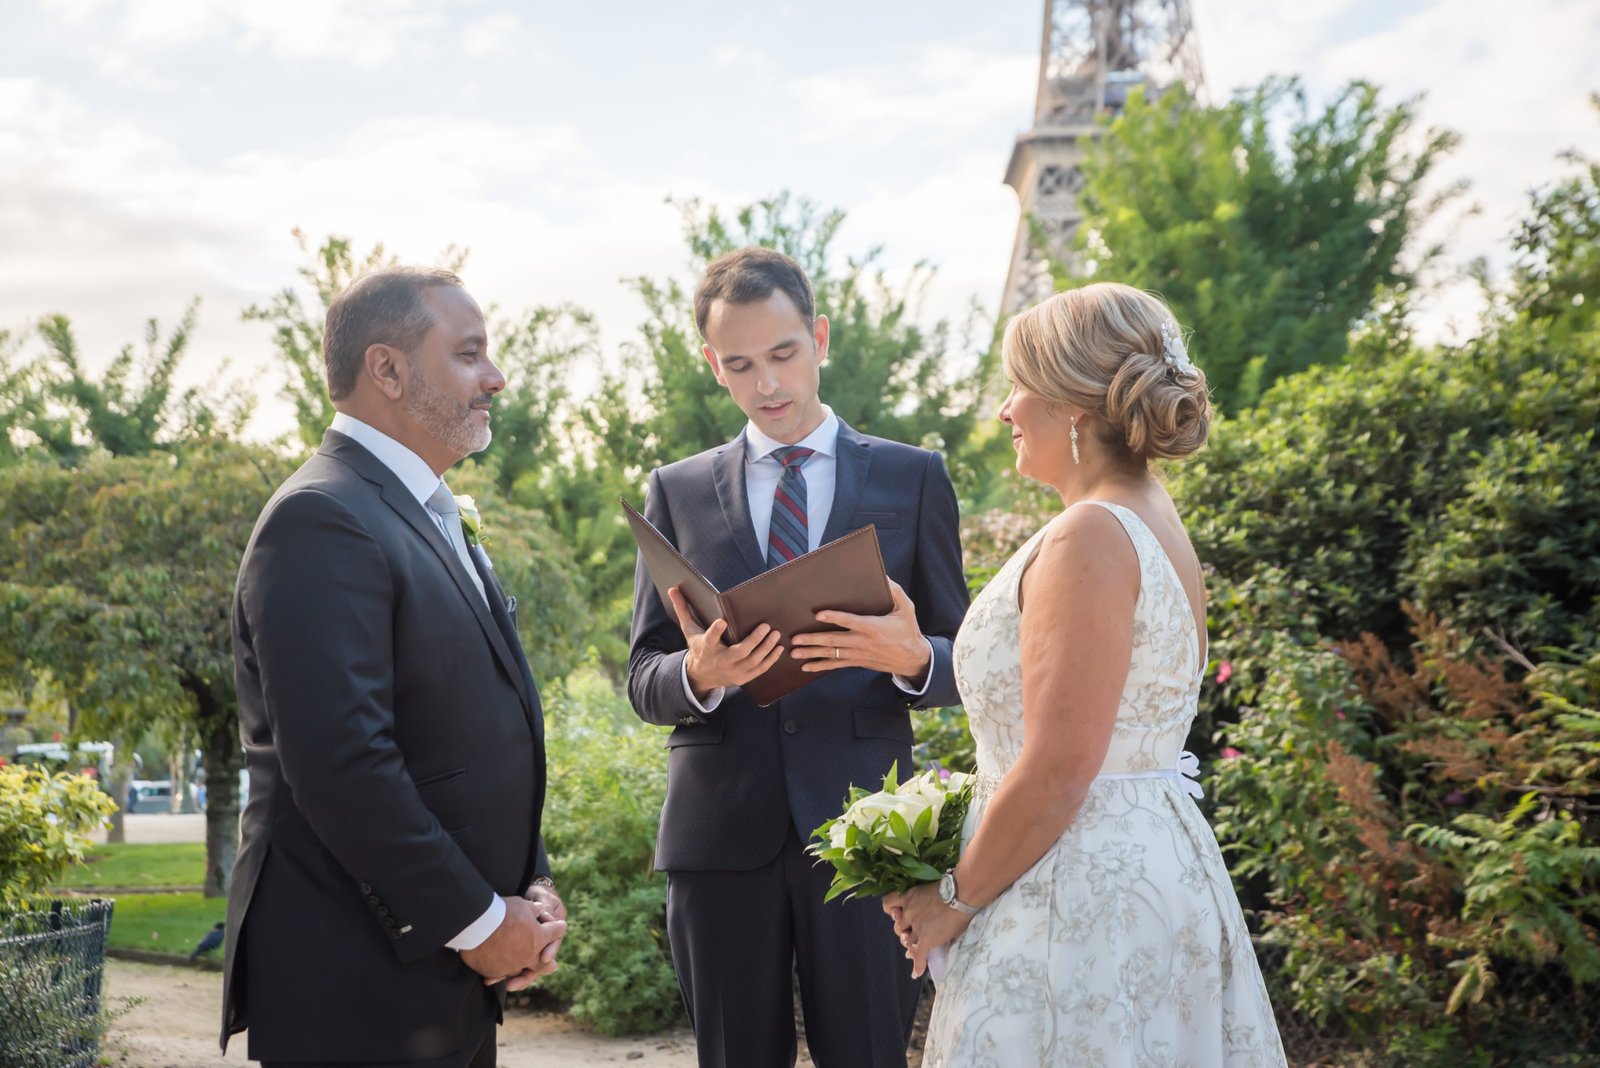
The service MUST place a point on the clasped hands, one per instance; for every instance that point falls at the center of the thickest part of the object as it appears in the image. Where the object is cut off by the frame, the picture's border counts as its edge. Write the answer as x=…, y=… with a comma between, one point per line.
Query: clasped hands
x=524, y=947
x=923, y=922
x=892, y=643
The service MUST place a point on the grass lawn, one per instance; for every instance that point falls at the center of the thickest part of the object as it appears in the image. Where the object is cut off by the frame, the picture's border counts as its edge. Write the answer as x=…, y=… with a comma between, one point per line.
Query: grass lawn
x=155, y=864
x=165, y=923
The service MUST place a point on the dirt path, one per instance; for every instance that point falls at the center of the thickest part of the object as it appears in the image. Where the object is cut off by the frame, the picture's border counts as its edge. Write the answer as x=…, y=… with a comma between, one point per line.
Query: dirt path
x=176, y=1027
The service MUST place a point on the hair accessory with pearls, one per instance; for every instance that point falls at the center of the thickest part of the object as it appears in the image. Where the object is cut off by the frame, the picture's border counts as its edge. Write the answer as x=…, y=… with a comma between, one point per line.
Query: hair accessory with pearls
x=1175, y=352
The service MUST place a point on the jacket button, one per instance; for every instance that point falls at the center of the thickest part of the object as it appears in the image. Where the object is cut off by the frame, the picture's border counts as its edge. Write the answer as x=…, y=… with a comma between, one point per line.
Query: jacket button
x=790, y=727
x=372, y=899
x=366, y=888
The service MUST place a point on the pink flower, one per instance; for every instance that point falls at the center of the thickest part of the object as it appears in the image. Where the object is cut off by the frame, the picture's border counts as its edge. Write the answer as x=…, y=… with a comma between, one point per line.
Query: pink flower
x=1230, y=753
x=944, y=774
x=1455, y=797
x=1338, y=713
x=1224, y=672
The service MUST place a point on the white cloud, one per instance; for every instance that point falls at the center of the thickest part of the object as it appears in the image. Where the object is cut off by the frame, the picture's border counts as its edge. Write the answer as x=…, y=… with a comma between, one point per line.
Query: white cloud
x=130, y=35
x=943, y=92
x=739, y=55
x=492, y=35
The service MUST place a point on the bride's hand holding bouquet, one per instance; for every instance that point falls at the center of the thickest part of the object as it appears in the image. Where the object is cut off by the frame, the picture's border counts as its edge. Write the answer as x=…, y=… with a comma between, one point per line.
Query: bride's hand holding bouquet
x=896, y=843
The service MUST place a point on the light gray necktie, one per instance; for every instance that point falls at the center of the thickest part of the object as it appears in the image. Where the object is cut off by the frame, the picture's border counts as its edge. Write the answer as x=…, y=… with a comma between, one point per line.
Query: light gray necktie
x=444, y=506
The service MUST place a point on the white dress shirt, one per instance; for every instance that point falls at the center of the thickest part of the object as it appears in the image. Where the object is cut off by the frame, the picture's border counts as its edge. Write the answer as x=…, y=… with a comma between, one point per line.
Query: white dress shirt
x=420, y=481
x=761, y=473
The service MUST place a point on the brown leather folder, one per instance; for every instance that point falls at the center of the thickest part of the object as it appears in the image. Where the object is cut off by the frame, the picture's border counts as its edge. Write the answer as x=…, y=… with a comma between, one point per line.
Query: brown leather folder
x=845, y=575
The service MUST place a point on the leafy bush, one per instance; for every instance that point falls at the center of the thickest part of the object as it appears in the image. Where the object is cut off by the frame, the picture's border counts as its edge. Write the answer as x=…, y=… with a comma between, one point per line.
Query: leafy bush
x=45, y=822
x=1464, y=479
x=608, y=781
x=1420, y=841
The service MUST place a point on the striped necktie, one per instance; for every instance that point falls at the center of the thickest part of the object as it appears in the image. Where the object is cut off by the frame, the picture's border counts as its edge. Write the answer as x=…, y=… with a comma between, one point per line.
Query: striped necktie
x=787, y=537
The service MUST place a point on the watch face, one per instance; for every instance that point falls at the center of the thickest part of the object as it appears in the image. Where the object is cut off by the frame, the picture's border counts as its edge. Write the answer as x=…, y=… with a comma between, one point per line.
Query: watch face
x=947, y=888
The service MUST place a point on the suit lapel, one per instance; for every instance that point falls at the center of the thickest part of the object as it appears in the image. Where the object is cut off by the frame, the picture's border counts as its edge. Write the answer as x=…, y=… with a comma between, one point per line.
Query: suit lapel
x=508, y=628
x=853, y=460
x=729, y=473
x=398, y=498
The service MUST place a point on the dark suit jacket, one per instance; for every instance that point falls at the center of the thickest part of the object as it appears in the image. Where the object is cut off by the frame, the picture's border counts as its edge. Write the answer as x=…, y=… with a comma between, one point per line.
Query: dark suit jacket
x=395, y=746
x=738, y=777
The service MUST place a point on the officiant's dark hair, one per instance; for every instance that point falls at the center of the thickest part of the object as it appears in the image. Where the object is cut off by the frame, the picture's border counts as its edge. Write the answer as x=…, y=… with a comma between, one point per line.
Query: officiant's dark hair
x=381, y=308
x=747, y=275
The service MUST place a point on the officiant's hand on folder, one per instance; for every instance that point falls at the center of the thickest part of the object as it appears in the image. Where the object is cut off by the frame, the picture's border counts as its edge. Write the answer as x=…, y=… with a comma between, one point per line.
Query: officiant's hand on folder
x=712, y=663
x=892, y=644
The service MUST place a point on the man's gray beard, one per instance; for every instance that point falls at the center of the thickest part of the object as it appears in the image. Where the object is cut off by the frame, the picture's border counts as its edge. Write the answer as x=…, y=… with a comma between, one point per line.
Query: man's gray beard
x=441, y=418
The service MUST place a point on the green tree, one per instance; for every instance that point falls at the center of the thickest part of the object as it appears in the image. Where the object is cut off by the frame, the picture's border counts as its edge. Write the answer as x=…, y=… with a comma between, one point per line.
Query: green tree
x=1557, y=271
x=116, y=580
x=134, y=408
x=1273, y=230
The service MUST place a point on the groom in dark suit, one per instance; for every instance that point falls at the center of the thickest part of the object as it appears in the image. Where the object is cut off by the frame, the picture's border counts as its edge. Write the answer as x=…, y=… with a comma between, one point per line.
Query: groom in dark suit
x=392, y=882
x=747, y=785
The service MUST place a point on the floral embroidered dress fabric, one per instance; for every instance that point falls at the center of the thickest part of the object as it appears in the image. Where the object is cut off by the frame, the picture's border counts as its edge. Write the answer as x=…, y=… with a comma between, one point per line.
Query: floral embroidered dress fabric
x=1124, y=944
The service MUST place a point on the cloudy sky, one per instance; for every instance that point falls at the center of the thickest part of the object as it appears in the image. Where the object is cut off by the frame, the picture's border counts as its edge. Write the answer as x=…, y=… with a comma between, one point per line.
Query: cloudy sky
x=156, y=150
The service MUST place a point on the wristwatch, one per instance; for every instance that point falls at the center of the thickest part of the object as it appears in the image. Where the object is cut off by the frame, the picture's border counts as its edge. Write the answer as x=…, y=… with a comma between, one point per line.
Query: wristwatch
x=947, y=894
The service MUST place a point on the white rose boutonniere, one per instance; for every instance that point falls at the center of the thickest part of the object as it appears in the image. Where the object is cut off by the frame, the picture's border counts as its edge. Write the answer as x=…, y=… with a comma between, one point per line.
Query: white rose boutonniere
x=471, y=520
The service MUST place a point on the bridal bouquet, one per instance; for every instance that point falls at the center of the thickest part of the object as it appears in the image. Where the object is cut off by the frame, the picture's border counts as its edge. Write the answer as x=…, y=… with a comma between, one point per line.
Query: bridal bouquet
x=904, y=834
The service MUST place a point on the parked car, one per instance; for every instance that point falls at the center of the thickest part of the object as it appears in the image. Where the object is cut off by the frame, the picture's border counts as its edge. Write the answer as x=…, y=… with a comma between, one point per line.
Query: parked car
x=149, y=795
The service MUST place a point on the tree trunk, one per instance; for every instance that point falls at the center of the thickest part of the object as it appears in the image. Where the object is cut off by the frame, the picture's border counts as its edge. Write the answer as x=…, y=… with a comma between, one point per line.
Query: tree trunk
x=219, y=735
x=121, y=777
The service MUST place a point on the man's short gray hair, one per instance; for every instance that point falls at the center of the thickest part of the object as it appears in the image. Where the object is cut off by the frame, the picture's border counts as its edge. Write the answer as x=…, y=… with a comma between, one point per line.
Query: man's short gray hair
x=381, y=308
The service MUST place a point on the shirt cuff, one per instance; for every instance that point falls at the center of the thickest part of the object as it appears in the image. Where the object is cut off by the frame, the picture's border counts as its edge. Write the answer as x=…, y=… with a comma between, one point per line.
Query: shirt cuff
x=481, y=928
x=714, y=698
x=905, y=684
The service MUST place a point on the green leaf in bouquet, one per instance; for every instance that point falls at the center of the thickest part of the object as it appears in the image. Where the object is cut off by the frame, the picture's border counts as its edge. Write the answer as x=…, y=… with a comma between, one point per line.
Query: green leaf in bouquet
x=891, y=781
x=922, y=830
x=924, y=873
x=898, y=827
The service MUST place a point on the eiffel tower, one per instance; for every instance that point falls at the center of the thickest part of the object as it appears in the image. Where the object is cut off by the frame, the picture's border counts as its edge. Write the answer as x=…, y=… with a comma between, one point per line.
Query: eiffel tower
x=1095, y=52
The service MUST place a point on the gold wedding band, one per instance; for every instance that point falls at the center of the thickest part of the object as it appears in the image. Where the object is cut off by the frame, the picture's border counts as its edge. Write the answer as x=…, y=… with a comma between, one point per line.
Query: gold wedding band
x=836, y=652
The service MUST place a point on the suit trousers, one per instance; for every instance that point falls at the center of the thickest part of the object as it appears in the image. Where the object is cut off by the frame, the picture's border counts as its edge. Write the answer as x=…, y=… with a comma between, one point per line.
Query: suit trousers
x=739, y=939
x=483, y=1056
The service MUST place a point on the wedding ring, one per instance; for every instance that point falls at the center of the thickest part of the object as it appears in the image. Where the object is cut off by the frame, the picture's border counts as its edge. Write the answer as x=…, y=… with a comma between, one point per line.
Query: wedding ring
x=836, y=652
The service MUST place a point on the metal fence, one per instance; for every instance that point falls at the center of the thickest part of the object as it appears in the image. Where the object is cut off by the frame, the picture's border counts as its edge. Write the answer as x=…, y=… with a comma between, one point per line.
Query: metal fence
x=51, y=962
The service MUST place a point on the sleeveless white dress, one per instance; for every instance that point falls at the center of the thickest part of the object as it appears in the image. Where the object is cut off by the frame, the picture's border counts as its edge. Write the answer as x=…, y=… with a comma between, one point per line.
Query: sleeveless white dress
x=1125, y=944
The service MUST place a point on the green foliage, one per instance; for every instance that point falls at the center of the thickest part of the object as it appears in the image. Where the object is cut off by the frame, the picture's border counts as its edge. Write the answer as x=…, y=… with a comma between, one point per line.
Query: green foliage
x=1557, y=273
x=608, y=780
x=1420, y=843
x=1465, y=479
x=116, y=579
x=1271, y=230
x=133, y=409
x=45, y=822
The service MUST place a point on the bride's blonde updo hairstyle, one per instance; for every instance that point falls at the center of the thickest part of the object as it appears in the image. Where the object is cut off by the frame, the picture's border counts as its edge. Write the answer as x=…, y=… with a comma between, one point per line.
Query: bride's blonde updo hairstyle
x=1116, y=351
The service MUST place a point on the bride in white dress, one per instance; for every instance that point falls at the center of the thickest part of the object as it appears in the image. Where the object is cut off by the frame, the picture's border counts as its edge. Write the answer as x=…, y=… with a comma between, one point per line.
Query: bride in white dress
x=1091, y=920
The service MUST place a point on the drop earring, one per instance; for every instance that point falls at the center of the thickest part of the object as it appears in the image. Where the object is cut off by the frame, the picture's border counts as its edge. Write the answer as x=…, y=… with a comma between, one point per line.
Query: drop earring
x=1075, y=458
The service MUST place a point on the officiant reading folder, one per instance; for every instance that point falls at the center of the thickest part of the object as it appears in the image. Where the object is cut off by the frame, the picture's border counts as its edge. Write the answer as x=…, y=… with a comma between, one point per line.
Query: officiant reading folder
x=747, y=783
x=842, y=576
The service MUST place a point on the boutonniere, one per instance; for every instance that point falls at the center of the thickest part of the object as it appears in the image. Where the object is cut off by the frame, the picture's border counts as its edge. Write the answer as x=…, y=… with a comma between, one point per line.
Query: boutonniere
x=471, y=520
